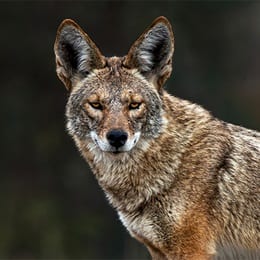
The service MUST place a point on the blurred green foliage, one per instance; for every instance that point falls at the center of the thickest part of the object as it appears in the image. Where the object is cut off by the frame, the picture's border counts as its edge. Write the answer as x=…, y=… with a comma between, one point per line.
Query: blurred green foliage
x=51, y=205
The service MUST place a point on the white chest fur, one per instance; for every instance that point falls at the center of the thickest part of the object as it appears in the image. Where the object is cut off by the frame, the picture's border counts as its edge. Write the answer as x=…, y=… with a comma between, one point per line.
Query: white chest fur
x=141, y=226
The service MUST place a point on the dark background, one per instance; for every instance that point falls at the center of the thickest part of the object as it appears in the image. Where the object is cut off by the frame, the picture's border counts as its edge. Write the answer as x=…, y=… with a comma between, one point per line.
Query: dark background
x=51, y=205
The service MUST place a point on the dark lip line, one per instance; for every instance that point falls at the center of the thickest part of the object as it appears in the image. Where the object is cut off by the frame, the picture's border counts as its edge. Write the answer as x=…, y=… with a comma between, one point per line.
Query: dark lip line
x=116, y=152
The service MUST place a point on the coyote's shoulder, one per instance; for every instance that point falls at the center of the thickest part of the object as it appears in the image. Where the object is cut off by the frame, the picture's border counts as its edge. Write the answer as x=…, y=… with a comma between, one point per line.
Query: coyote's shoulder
x=182, y=181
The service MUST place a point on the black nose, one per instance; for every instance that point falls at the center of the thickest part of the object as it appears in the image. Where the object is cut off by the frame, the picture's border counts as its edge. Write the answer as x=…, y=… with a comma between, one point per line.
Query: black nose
x=117, y=137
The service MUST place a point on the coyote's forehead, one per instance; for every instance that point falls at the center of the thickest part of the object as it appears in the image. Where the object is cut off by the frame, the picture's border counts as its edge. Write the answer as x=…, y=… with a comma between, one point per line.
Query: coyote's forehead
x=114, y=82
x=115, y=86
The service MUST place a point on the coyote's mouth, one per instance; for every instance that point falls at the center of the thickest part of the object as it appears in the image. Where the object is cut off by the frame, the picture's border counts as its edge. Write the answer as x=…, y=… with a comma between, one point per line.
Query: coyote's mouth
x=106, y=146
x=117, y=152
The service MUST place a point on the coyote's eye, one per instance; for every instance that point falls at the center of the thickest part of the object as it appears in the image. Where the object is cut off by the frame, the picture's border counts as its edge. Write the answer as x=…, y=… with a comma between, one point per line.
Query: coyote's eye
x=96, y=105
x=134, y=105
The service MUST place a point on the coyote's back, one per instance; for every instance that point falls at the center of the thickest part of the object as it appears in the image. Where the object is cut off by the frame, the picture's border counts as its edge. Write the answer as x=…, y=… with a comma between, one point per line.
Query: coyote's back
x=183, y=182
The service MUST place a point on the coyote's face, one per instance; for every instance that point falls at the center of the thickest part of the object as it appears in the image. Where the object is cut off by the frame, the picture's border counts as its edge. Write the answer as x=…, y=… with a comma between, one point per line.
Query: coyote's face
x=114, y=101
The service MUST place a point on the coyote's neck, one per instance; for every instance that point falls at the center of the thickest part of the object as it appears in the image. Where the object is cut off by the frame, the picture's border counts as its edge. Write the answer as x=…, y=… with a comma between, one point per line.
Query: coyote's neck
x=131, y=181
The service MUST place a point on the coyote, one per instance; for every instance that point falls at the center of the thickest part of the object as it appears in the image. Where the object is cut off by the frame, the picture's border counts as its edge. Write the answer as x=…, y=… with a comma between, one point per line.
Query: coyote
x=182, y=181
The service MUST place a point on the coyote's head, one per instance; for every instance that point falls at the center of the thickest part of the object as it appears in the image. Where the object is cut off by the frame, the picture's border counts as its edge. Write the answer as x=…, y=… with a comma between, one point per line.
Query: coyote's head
x=114, y=101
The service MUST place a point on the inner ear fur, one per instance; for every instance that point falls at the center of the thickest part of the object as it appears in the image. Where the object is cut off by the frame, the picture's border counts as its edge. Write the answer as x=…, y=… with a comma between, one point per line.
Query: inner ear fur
x=76, y=54
x=151, y=54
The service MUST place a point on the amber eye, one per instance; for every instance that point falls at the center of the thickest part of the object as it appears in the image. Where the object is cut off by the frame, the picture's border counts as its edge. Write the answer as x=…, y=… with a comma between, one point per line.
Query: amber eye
x=134, y=105
x=96, y=105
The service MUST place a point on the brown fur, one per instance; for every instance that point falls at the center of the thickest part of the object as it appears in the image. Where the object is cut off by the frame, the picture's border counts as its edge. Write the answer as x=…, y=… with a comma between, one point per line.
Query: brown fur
x=183, y=182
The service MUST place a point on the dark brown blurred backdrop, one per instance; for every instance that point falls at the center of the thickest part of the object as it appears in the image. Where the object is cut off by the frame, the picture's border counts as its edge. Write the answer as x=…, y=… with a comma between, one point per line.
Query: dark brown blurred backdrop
x=51, y=206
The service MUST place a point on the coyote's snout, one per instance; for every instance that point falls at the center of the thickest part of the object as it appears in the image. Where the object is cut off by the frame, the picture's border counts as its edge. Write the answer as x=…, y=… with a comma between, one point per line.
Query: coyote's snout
x=115, y=131
x=182, y=181
x=116, y=141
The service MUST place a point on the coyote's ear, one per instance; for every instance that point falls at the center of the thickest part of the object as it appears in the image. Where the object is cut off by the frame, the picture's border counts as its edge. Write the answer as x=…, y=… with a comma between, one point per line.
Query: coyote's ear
x=152, y=52
x=76, y=54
